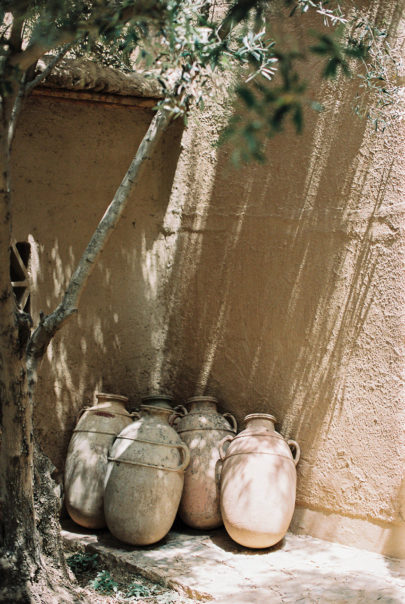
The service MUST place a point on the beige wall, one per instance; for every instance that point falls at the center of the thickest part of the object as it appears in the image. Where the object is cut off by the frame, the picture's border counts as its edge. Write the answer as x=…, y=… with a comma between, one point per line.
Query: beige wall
x=69, y=158
x=278, y=288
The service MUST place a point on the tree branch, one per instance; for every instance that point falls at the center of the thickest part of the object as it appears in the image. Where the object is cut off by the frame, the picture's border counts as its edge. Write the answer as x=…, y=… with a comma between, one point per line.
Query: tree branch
x=50, y=324
x=34, y=51
x=16, y=34
x=15, y=112
x=26, y=86
x=54, y=61
x=101, y=18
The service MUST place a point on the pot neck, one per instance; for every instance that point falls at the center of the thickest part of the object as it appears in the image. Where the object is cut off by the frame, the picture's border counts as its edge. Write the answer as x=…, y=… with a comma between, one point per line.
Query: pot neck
x=262, y=421
x=162, y=413
x=202, y=404
x=104, y=398
x=164, y=401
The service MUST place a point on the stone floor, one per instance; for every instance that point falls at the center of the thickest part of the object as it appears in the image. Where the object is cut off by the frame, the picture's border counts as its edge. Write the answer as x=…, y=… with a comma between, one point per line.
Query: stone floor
x=210, y=566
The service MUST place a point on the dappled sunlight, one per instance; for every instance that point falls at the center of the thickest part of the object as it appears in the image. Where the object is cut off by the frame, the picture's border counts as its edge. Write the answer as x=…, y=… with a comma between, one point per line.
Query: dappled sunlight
x=226, y=276
x=85, y=355
x=253, y=486
x=150, y=270
x=58, y=272
x=338, y=320
x=83, y=479
x=326, y=128
x=269, y=286
x=159, y=261
x=208, y=565
x=34, y=265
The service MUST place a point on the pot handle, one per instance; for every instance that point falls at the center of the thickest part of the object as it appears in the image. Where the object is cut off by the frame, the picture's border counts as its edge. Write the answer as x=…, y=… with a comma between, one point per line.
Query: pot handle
x=178, y=412
x=231, y=419
x=183, y=448
x=295, y=445
x=222, y=453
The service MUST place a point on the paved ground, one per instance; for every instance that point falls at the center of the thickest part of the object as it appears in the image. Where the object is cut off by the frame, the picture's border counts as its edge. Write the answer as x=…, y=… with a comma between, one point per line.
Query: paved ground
x=210, y=566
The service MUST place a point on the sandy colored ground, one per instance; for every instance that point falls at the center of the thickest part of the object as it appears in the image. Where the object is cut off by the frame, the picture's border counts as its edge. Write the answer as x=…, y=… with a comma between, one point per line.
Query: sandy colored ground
x=210, y=566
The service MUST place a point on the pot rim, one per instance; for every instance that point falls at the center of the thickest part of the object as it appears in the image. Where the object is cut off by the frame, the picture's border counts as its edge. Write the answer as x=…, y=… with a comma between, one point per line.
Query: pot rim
x=260, y=416
x=110, y=395
x=149, y=397
x=203, y=398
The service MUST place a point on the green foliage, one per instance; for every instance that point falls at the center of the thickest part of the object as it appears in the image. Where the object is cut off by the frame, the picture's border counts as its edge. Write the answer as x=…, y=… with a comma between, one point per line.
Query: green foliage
x=379, y=86
x=138, y=590
x=350, y=47
x=104, y=583
x=183, y=45
x=82, y=562
x=267, y=109
x=339, y=51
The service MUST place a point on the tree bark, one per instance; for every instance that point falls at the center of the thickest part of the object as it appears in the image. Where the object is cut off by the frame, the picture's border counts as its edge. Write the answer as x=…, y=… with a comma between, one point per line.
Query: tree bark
x=18, y=542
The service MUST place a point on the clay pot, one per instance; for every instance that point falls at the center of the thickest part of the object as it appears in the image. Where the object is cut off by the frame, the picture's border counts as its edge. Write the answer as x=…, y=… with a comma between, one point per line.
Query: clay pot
x=258, y=483
x=145, y=478
x=86, y=460
x=202, y=428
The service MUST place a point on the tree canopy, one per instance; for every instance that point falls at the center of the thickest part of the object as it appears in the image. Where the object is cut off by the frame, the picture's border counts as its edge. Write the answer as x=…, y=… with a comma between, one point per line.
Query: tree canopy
x=185, y=44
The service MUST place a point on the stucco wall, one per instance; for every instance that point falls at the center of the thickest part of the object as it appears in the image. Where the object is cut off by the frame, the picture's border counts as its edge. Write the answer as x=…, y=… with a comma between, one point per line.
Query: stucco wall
x=278, y=288
x=69, y=159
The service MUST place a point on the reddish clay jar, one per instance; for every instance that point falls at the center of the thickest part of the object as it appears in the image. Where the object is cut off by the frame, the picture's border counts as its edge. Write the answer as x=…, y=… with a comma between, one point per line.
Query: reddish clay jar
x=86, y=460
x=258, y=483
x=202, y=428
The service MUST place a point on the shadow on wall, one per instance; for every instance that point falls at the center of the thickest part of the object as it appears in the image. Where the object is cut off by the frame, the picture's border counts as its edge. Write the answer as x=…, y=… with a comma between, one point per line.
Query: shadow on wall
x=258, y=269
x=272, y=304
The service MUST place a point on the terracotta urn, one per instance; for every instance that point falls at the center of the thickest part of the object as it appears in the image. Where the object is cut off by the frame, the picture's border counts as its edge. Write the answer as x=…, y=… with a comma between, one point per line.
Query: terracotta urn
x=258, y=483
x=202, y=428
x=86, y=460
x=145, y=478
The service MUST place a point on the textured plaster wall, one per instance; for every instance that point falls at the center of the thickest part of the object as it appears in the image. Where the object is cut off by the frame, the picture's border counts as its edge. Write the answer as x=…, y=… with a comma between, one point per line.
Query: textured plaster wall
x=278, y=288
x=69, y=159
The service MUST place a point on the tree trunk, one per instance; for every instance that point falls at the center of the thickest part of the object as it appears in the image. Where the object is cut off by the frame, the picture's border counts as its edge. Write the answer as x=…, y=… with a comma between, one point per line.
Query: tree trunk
x=19, y=545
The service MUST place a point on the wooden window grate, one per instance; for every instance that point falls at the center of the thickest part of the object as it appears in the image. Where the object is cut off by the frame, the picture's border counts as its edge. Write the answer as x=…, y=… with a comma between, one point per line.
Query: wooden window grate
x=19, y=262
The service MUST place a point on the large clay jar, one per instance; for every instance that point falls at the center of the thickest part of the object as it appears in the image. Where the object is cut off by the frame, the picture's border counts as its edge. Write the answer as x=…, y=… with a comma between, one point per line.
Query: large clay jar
x=258, y=483
x=145, y=478
x=202, y=428
x=86, y=460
